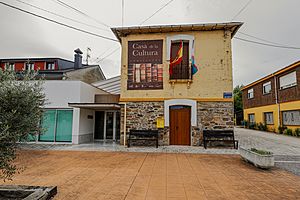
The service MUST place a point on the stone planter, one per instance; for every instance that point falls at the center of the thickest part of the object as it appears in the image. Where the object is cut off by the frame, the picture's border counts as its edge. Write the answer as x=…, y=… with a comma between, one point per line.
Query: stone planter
x=260, y=161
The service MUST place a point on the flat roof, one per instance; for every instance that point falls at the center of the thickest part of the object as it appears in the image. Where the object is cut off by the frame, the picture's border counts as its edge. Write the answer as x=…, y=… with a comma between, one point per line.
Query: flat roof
x=124, y=31
x=96, y=106
x=276, y=73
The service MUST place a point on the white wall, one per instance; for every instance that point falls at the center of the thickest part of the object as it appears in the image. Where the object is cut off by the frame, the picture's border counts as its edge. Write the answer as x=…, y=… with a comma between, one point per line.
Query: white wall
x=61, y=92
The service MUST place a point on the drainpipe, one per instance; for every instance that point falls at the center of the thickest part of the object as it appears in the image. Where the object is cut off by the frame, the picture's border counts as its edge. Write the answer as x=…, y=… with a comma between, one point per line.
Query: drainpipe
x=276, y=100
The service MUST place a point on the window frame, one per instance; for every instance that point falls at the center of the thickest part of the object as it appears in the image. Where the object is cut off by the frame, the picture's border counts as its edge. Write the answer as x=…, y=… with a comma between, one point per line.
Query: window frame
x=283, y=116
x=30, y=64
x=9, y=66
x=189, y=69
x=288, y=85
x=52, y=68
x=251, y=114
x=248, y=96
x=267, y=84
x=265, y=118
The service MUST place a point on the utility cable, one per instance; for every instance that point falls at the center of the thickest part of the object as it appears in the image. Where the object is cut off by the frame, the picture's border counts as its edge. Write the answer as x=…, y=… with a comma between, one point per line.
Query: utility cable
x=242, y=9
x=157, y=11
x=265, y=44
x=59, y=23
x=53, y=13
x=80, y=12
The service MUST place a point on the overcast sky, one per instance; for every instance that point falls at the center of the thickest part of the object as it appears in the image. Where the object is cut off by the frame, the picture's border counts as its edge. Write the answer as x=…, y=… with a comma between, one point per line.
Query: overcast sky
x=277, y=21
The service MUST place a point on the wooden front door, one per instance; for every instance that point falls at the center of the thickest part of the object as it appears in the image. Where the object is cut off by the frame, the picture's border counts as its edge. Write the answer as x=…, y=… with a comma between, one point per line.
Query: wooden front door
x=180, y=125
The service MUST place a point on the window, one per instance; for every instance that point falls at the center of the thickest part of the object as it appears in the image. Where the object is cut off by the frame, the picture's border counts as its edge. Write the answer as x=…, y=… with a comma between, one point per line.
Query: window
x=291, y=117
x=269, y=118
x=288, y=80
x=58, y=126
x=267, y=88
x=250, y=93
x=10, y=66
x=50, y=66
x=181, y=70
x=251, y=118
x=29, y=66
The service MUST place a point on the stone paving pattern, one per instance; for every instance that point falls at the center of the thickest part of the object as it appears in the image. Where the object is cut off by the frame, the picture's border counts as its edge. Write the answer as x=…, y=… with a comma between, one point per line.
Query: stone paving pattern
x=117, y=175
x=276, y=143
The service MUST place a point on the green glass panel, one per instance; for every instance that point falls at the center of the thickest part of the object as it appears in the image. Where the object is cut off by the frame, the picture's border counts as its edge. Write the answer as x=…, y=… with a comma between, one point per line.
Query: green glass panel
x=64, y=125
x=31, y=138
x=48, y=125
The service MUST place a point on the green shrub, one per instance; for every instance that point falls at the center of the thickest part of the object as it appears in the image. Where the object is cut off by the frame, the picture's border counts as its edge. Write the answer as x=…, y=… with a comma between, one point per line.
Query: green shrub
x=245, y=123
x=288, y=132
x=261, y=152
x=297, y=132
x=262, y=127
x=252, y=125
x=281, y=129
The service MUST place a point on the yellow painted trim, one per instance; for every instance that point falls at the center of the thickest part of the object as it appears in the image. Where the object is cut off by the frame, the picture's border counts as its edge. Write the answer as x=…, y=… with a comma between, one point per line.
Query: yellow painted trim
x=163, y=99
x=272, y=75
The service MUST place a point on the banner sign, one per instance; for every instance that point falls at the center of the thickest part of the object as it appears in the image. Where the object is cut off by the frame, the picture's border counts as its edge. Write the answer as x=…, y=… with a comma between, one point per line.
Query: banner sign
x=145, y=69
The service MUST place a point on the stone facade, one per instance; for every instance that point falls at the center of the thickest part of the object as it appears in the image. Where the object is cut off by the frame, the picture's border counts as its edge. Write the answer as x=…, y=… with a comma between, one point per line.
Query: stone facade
x=210, y=115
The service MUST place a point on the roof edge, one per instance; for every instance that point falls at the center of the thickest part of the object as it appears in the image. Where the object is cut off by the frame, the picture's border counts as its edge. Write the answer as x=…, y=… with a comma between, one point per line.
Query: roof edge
x=233, y=26
x=276, y=73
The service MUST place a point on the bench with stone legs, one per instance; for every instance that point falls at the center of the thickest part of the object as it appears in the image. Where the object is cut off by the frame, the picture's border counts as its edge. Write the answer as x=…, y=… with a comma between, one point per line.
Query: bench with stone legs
x=224, y=136
x=146, y=135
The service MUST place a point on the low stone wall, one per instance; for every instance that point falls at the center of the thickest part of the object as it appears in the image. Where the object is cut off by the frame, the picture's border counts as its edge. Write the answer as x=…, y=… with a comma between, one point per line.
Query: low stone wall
x=210, y=115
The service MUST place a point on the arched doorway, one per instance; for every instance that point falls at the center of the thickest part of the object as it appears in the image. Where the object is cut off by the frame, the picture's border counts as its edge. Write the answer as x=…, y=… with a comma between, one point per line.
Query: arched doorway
x=180, y=125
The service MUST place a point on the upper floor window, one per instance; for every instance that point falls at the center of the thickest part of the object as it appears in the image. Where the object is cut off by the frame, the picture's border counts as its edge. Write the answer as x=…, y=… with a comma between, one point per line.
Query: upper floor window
x=291, y=117
x=50, y=66
x=288, y=80
x=29, y=66
x=267, y=88
x=179, y=59
x=250, y=93
x=10, y=66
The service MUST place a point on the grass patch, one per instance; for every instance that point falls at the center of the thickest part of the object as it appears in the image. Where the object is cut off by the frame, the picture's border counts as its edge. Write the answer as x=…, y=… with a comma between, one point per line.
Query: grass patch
x=261, y=152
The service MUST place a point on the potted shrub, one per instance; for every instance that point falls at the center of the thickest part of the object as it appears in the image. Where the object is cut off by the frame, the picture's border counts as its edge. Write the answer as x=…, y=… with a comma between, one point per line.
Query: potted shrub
x=260, y=158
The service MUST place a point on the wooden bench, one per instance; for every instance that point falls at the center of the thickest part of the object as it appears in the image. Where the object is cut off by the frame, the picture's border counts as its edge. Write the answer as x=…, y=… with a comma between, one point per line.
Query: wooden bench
x=219, y=135
x=149, y=135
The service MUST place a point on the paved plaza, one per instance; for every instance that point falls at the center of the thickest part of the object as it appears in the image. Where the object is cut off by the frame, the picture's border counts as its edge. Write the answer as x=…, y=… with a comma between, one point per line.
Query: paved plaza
x=119, y=175
x=278, y=144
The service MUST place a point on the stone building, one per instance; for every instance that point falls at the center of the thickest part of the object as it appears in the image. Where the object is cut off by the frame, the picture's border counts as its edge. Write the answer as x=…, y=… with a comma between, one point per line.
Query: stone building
x=177, y=79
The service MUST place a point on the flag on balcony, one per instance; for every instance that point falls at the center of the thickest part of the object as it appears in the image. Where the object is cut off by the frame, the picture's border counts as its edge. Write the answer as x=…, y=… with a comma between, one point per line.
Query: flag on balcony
x=194, y=67
x=177, y=59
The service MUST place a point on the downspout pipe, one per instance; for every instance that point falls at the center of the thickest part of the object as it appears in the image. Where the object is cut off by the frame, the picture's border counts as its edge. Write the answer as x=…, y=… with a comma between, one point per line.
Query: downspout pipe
x=276, y=100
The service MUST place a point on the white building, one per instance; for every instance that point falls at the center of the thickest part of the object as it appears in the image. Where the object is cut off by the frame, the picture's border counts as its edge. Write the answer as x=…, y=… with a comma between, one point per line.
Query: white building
x=77, y=112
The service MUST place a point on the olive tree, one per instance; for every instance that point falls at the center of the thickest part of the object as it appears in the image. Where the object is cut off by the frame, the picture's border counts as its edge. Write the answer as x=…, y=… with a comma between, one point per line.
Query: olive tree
x=21, y=108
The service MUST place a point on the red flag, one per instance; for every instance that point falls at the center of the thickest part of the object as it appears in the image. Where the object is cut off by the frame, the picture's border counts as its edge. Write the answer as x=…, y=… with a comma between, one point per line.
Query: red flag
x=177, y=59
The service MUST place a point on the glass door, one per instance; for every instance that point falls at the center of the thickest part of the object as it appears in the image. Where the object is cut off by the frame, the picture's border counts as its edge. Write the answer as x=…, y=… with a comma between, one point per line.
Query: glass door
x=109, y=125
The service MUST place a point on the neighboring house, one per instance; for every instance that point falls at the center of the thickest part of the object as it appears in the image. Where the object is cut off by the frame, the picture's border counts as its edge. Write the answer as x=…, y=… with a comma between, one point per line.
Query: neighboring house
x=274, y=99
x=177, y=79
x=56, y=68
x=64, y=123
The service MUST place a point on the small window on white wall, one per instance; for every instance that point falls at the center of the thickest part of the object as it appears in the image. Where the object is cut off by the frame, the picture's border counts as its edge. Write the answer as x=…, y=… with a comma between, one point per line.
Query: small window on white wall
x=288, y=80
x=267, y=88
x=250, y=93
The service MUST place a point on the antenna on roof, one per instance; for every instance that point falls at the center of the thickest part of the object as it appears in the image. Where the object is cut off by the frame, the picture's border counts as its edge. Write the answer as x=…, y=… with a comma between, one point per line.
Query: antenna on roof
x=88, y=56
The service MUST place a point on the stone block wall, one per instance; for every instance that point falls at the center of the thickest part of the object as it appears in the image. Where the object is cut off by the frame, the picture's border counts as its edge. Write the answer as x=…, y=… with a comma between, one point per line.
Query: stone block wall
x=210, y=115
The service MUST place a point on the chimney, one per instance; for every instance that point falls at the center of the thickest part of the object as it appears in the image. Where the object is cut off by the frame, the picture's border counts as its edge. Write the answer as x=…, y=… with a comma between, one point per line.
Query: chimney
x=77, y=59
